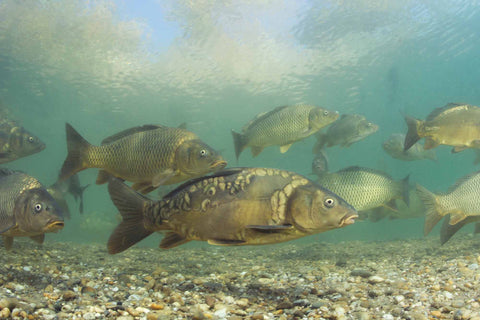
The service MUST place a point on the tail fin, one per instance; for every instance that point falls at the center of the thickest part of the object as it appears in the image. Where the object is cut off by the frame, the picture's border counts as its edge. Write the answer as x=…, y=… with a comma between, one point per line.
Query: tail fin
x=77, y=147
x=130, y=204
x=238, y=142
x=82, y=189
x=412, y=133
x=432, y=214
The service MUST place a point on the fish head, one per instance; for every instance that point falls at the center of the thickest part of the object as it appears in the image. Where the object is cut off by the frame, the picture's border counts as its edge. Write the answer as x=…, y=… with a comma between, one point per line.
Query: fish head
x=366, y=128
x=315, y=209
x=23, y=143
x=320, y=117
x=394, y=143
x=319, y=164
x=196, y=158
x=36, y=211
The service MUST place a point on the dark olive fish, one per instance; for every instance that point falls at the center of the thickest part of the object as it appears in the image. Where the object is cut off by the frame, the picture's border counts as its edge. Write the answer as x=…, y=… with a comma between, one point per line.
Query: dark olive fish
x=348, y=129
x=394, y=147
x=59, y=190
x=148, y=156
x=455, y=124
x=320, y=164
x=26, y=208
x=240, y=206
x=281, y=127
x=16, y=142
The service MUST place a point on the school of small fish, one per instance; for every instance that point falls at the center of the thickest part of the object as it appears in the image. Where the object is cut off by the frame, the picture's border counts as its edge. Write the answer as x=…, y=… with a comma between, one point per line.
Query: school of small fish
x=240, y=205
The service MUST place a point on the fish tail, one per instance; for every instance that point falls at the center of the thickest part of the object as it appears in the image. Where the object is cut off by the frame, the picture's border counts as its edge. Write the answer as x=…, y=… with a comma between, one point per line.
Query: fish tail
x=412, y=135
x=239, y=143
x=130, y=204
x=432, y=214
x=77, y=148
x=82, y=189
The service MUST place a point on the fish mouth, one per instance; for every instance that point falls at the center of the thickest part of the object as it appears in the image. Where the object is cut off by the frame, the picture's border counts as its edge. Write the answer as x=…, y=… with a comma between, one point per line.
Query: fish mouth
x=218, y=164
x=54, y=226
x=348, y=219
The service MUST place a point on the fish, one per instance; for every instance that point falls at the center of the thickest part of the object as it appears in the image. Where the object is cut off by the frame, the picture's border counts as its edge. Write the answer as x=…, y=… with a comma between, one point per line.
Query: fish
x=26, y=208
x=282, y=126
x=348, y=129
x=366, y=188
x=320, y=163
x=448, y=230
x=460, y=202
x=394, y=147
x=148, y=156
x=236, y=206
x=16, y=142
x=454, y=124
x=60, y=189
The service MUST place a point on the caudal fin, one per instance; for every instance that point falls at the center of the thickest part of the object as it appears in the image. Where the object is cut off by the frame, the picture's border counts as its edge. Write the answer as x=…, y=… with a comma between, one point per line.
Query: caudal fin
x=406, y=190
x=77, y=148
x=238, y=142
x=412, y=134
x=432, y=214
x=130, y=204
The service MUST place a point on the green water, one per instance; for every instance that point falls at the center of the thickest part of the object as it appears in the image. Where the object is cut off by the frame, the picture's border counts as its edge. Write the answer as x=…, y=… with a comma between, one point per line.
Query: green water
x=106, y=66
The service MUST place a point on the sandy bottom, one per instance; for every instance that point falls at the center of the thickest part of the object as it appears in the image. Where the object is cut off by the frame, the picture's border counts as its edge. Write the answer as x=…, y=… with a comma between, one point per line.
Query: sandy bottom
x=414, y=279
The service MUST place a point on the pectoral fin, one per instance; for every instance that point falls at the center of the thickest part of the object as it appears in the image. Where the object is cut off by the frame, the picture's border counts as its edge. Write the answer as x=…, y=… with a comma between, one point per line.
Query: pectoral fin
x=225, y=242
x=456, y=217
x=162, y=177
x=285, y=148
x=458, y=149
x=270, y=228
x=430, y=144
x=7, y=242
x=172, y=240
x=256, y=150
x=39, y=238
x=103, y=177
x=391, y=205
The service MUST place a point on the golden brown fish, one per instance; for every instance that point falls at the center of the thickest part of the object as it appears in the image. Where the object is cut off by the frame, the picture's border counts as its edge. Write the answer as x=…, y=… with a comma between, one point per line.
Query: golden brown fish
x=365, y=188
x=240, y=206
x=149, y=156
x=456, y=125
x=349, y=129
x=282, y=127
x=460, y=201
x=26, y=208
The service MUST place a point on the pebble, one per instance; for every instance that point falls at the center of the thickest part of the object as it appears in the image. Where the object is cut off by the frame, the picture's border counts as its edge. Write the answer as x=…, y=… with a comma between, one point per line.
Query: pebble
x=375, y=279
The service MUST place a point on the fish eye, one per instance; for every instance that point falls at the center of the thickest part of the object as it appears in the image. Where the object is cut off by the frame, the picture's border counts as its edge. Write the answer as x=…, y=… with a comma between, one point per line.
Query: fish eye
x=38, y=207
x=325, y=113
x=30, y=139
x=329, y=202
x=203, y=152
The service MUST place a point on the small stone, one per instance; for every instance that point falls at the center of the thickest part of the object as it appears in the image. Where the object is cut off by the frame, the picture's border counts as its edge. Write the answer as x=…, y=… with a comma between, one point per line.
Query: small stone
x=362, y=315
x=210, y=301
x=258, y=317
x=436, y=314
x=285, y=305
x=222, y=313
x=69, y=295
x=88, y=291
x=361, y=273
x=242, y=303
x=156, y=306
x=375, y=279
x=458, y=303
x=5, y=313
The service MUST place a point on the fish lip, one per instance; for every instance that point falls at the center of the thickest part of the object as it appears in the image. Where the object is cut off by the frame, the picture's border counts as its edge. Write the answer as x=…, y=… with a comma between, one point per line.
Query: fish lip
x=218, y=164
x=54, y=225
x=348, y=219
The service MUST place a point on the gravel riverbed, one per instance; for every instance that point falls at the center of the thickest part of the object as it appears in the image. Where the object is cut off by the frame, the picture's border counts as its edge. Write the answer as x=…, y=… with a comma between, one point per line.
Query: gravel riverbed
x=407, y=279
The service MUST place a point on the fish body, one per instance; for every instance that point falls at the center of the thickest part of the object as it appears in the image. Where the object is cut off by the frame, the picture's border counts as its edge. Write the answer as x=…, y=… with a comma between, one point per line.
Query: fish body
x=348, y=129
x=239, y=206
x=282, y=126
x=148, y=156
x=365, y=188
x=456, y=125
x=394, y=147
x=26, y=208
x=16, y=142
x=460, y=201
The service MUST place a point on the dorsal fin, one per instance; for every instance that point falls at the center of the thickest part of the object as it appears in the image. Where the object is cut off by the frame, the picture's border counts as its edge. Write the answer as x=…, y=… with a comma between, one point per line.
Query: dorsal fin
x=461, y=181
x=222, y=173
x=438, y=111
x=261, y=116
x=130, y=131
x=369, y=170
